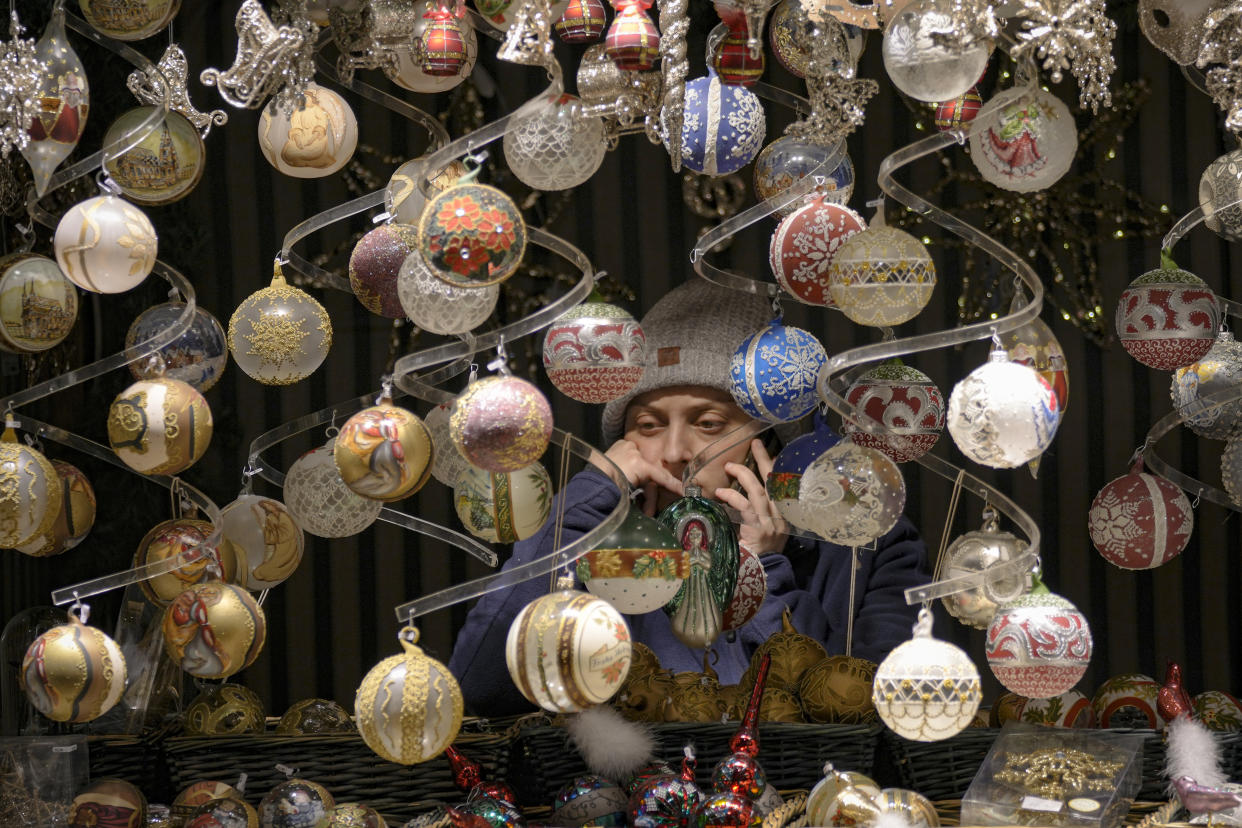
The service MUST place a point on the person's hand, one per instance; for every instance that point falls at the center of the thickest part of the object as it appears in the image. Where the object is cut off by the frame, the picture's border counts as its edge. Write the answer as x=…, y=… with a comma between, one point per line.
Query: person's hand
x=642, y=473
x=763, y=530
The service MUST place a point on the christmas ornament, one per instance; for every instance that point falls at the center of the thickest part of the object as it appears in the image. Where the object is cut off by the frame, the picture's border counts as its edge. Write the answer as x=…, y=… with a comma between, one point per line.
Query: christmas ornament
x=748, y=595
x=504, y=507
x=295, y=803
x=633, y=41
x=957, y=113
x=740, y=772
x=1024, y=140
x=319, y=500
x=666, y=800
x=785, y=481
x=1218, y=711
x=64, y=100
x=214, y=630
x=1167, y=318
x=200, y=793
x=731, y=57
x=23, y=72
x=172, y=538
x=403, y=197
x=106, y=803
x=582, y=22
x=727, y=810
x=594, y=352
x=73, y=673
x=695, y=697
x=161, y=168
x=774, y=373
x=838, y=689
x=384, y=451
x=226, y=710
x=1035, y=346
x=553, y=144
x=439, y=307
x=354, y=815
x=824, y=803
x=637, y=568
x=488, y=812
x=659, y=767
x=447, y=464
x=224, y=813
x=708, y=538
x=568, y=650
x=1127, y=701
x=314, y=716
x=74, y=519
x=788, y=160
x=1070, y=34
x=590, y=800
x=906, y=402
x=375, y=264
x=932, y=53
x=1038, y=644
x=166, y=84
x=472, y=235
x=669, y=87
x=260, y=534
x=468, y=776
x=443, y=43
x=314, y=139
x=913, y=809
x=644, y=697
x=38, y=305
x=856, y=494
x=723, y=127
x=1220, y=186
x=1069, y=709
x=197, y=357
x=1220, y=369
x=1140, y=521
x=279, y=335
x=129, y=21
x=1007, y=708
x=270, y=59
x=159, y=426
x=428, y=715
x=408, y=71
x=105, y=245
x=803, y=245
x=1003, y=414
x=1231, y=468
x=975, y=552
x=790, y=42
x=501, y=423
x=881, y=276
x=30, y=491
x=926, y=689
x=791, y=654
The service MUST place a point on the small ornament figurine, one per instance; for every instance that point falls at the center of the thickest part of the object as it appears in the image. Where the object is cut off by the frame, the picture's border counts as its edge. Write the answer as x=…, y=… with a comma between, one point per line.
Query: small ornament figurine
x=214, y=630
x=30, y=505
x=64, y=101
x=803, y=245
x=108, y=802
x=159, y=426
x=198, y=356
x=295, y=803
x=167, y=84
x=553, y=144
x=375, y=265
x=582, y=22
x=1219, y=369
x=279, y=335
x=171, y=539
x=472, y=235
x=667, y=800
x=881, y=276
x=316, y=138
x=269, y=59
x=633, y=41
x=774, y=373
x=42, y=306
x=165, y=166
x=262, y=536
x=501, y=423
x=105, y=244
x=958, y=112
x=855, y=494
x=785, y=481
x=73, y=673
x=503, y=507
x=638, y=568
x=975, y=552
x=710, y=544
x=594, y=352
x=436, y=306
x=1003, y=414
x=384, y=452
x=74, y=519
x=229, y=709
x=1039, y=644
x=723, y=127
x=129, y=21
x=906, y=402
x=1172, y=700
x=590, y=800
x=1168, y=318
x=932, y=52
x=838, y=689
x=788, y=160
x=319, y=500
x=1129, y=701
x=1140, y=521
x=1023, y=140
x=468, y=776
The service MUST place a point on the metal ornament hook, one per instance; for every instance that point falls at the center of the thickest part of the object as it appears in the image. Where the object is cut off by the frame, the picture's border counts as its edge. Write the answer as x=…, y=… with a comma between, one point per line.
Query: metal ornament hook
x=501, y=362
x=106, y=185
x=385, y=395
x=79, y=609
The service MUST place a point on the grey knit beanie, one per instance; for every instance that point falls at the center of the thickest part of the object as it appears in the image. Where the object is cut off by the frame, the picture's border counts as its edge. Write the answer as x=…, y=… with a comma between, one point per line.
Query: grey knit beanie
x=691, y=334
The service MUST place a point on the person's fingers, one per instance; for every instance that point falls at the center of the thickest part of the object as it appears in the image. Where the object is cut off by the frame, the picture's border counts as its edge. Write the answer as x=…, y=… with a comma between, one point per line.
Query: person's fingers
x=664, y=477
x=738, y=501
x=755, y=490
x=762, y=459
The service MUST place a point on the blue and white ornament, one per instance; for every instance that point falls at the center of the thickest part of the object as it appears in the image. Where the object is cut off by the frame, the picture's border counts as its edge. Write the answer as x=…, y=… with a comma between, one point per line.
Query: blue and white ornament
x=723, y=127
x=784, y=483
x=774, y=373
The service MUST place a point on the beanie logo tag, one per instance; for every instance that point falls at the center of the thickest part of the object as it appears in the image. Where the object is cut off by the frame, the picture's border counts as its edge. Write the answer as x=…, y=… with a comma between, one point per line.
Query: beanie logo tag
x=668, y=356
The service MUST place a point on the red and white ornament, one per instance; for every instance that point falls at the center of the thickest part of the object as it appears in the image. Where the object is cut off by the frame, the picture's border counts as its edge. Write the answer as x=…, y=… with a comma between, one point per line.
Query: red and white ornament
x=1039, y=644
x=582, y=22
x=633, y=41
x=1127, y=700
x=594, y=352
x=958, y=112
x=1070, y=709
x=748, y=595
x=804, y=244
x=1168, y=318
x=1140, y=521
x=906, y=402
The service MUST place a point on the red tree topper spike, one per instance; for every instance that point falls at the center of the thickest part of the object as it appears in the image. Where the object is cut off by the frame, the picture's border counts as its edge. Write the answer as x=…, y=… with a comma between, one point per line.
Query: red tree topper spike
x=1172, y=700
x=688, y=764
x=746, y=740
x=468, y=776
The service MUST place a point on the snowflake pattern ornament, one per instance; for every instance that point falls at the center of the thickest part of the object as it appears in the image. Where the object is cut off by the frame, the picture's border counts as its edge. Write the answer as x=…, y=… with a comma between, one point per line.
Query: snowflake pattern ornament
x=723, y=127
x=1220, y=369
x=1140, y=521
x=1074, y=35
x=774, y=373
x=906, y=402
x=279, y=335
x=1039, y=644
x=804, y=244
x=1003, y=414
x=1168, y=318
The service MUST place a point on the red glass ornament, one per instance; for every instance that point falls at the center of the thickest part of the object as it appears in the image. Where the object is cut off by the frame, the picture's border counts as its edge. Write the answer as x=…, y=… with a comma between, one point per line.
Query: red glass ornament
x=746, y=740
x=444, y=45
x=582, y=22
x=727, y=810
x=468, y=776
x=732, y=58
x=958, y=112
x=668, y=800
x=740, y=774
x=633, y=41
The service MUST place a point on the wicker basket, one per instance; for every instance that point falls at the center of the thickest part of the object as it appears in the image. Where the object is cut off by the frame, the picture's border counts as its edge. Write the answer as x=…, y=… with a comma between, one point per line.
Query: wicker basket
x=139, y=760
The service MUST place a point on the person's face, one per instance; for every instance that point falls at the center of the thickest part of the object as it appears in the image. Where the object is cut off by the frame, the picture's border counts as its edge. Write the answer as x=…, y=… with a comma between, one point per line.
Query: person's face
x=672, y=425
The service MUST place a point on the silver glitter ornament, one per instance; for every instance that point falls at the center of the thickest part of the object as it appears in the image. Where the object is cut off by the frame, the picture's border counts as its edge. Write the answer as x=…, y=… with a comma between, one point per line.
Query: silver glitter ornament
x=270, y=59
x=149, y=87
x=1074, y=35
x=20, y=74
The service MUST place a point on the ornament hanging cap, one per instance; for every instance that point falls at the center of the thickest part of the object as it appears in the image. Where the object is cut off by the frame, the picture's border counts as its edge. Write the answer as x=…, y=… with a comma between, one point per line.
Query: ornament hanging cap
x=923, y=626
x=409, y=640
x=278, y=275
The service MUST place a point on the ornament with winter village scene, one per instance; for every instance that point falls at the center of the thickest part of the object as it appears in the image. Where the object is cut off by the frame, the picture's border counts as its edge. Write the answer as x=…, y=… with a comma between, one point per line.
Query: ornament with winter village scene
x=788, y=160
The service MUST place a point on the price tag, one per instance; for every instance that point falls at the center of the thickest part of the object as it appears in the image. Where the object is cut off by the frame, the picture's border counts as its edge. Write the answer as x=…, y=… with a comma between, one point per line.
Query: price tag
x=1038, y=803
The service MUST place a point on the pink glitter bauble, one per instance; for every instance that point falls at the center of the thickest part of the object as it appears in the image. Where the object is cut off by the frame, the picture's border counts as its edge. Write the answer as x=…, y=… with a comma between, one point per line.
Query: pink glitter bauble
x=501, y=423
x=375, y=264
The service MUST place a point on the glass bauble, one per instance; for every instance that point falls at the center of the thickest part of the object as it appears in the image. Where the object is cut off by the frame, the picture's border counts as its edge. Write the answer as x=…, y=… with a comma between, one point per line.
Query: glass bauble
x=881, y=276
x=1129, y=701
x=855, y=493
x=354, y=815
x=447, y=464
x=788, y=160
x=1219, y=187
x=803, y=245
x=472, y=235
x=974, y=552
x=633, y=41
x=958, y=112
x=214, y=629
x=662, y=799
x=74, y=519
x=38, y=304
x=439, y=307
x=227, y=710
x=731, y=59
x=582, y=22
x=553, y=144
x=64, y=101
x=503, y=507
x=165, y=165
x=930, y=53
x=225, y=813
x=727, y=810
x=1217, y=371
x=105, y=245
x=774, y=373
x=568, y=651
x=638, y=568
x=1035, y=346
x=1039, y=644
x=108, y=802
x=1140, y=521
x=906, y=402
x=30, y=494
x=1023, y=140
x=600, y=81
x=501, y=423
x=785, y=481
x=279, y=335
x=171, y=538
x=1219, y=710
x=260, y=534
x=409, y=73
x=590, y=800
x=375, y=264
x=1068, y=709
x=198, y=356
x=823, y=807
x=1003, y=414
x=913, y=809
x=295, y=803
x=73, y=673
x=710, y=543
x=202, y=792
x=159, y=426
x=793, y=44
x=314, y=716
x=442, y=44
x=594, y=352
x=1231, y=468
x=408, y=706
x=838, y=689
x=313, y=140
x=1168, y=318
x=403, y=197
x=750, y=592
x=723, y=127
x=124, y=20
x=319, y=500
x=384, y=452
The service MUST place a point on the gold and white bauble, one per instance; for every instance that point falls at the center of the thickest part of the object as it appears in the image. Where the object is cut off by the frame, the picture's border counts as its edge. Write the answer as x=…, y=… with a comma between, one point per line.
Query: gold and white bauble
x=319, y=500
x=30, y=492
x=159, y=426
x=38, y=304
x=384, y=452
x=260, y=534
x=106, y=245
x=171, y=539
x=312, y=140
x=504, y=507
x=823, y=806
x=214, y=629
x=881, y=276
x=73, y=673
x=165, y=166
x=279, y=335
x=74, y=519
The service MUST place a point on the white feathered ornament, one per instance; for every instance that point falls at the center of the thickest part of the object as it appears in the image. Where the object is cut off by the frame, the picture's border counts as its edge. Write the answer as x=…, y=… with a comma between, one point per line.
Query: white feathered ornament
x=1192, y=763
x=611, y=745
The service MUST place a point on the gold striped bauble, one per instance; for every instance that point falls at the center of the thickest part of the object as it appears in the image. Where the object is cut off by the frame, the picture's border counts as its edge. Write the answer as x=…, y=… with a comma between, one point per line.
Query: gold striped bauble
x=30, y=493
x=73, y=673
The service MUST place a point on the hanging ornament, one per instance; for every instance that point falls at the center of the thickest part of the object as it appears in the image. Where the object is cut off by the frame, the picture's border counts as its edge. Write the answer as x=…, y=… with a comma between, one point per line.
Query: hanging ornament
x=582, y=22
x=319, y=500
x=354, y=815
x=64, y=100
x=1035, y=346
x=785, y=481
x=374, y=266
x=197, y=357
x=748, y=595
x=881, y=276
x=1128, y=701
x=729, y=52
x=1168, y=318
x=439, y=307
x=447, y=464
x=1025, y=140
x=1220, y=186
x=1220, y=711
x=129, y=21
x=906, y=402
x=468, y=776
x=314, y=139
x=443, y=43
x=503, y=507
x=633, y=41
x=723, y=126
x=957, y=113
x=793, y=40
x=279, y=335
x=227, y=710
x=105, y=245
x=38, y=305
x=740, y=773
x=1220, y=369
x=1140, y=521
x=73, y=673
x=932, y=52
x=74, y=519
x=159, y=426
x=838, y=689
x=472, y=235
x=167, y=85
x=408, y=72
x=164, y=166
x=710, y=544
x=727, y=810
x=202, y=792
x=974, y=552
x=172, y=538
x=1072, y=34
x=666, y=800
x=553, y=144
x=1038, y=644
x=825, y=803
x=803, y=245
x=590, y=800
x=788, y=160
x=213, y=630
x=854, y=493
x=313, y=716
x=501, y=423
x=225, y=813
x=106, y=803
x=638, y=568
x=1068, y=709
x=774, y=373
x=31, y=497
x=384, y=451
x=790, y=653
x=1003, y=414
x=403, y=197
x=23, y=72
x=261, y=535
x=594, y=352
x=926, y=689
x=295, y=803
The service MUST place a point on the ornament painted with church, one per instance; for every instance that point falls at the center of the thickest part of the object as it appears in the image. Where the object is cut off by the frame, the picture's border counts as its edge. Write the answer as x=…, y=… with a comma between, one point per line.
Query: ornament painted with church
x=926, y=689
x=295, y=803
x=931, y=52
x=789, y=159
x=638, y=568
x=403, y=197
x=214, y=629
x=1024, y=140
x=881, y=276
x=594, y=352
x=958, y=112
x=583, y=21
x=501, y=423
x=384, y=452
x=975, y=552
x=1003, y=414
x=1168, y=318
x=106, y=803
x=129, y=20
x=64, y=101
x=279, y=335
x=838, y=689
x=803, y=245
x=159, y=426
x=472, y=235
x=667, y=800
x=197, y=357
x=225, y=812
x=503, y=507
x=590, y=800
x=1139, y=520
x=73, y=673
x=226, y=710
x=785, y=481
x=105, y=245
x=774, y=373
x=1038, y=645
x=38, y=304
x=74, y=519
x=32, y=497
x=906, y=402
x=552, y=143
x=319, y=500
x=409, y=706
x=313, y=140
x=443, y=43
x=710, y=543
x=171, y=539
x=723, y=127
x=1219, y=187
x=262, y=536
x=375, y=264
x=568, y=650
x=436, y=306
x=165, y=166
x=854, y=493
x=751, y=589
x=408, y=72
x=1218, y=370
x=633, y=41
